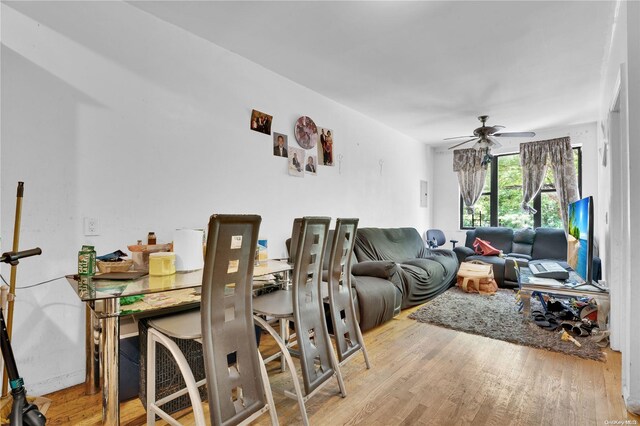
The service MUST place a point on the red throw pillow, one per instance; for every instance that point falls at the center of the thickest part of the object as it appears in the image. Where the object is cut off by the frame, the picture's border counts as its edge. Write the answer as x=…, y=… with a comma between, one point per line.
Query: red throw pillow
x=484, y=248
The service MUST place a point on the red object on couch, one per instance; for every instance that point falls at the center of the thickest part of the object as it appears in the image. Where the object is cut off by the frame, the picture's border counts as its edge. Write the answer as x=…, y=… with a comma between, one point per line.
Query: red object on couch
x=485, y=248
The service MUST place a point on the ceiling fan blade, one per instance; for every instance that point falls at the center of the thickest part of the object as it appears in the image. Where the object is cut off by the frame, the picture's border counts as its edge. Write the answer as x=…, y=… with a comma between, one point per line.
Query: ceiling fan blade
x=462, y=143
x=514, y=135
x=498, y=126
x=495, y=143
x=459, y=137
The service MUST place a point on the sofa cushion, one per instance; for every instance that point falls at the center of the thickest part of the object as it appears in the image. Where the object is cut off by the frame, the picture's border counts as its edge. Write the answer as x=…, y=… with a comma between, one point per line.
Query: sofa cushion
x=499, y=237
x=377, y=300
x=380, y=268
x=523, y=240
x=447, y=258
x=395, y=244
x=421, y=280
x=550, y=243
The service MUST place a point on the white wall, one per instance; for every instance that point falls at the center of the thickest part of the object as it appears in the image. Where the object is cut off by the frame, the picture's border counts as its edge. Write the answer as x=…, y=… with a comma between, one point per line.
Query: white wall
x=632, y=393
x=111, y=113
x=623, y=67
x=447, y=195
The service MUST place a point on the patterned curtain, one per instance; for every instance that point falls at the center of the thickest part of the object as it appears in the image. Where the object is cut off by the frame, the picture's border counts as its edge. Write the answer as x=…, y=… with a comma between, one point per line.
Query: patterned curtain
x=564, y=176
x=533, y=158
x=471, y=169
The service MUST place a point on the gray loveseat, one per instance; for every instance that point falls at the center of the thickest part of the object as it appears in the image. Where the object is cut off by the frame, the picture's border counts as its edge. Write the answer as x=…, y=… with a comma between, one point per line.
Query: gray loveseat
x=376, y=299
x=399, y=256
x=522, y=245
x=392, y=269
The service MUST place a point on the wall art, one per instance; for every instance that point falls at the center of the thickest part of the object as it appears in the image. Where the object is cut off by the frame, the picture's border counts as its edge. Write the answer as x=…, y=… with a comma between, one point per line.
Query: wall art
x=261, y=122
x=280, y=145
x=306, y=132
x=311, y=165
x=325, y=147
x=296, y=161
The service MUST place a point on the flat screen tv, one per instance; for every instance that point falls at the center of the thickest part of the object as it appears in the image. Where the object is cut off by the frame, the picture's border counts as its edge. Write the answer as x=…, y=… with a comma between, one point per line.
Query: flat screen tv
x=580, y=238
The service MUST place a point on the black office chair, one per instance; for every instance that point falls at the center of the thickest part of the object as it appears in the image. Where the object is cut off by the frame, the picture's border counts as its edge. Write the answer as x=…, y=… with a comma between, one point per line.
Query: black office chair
x=435, y=238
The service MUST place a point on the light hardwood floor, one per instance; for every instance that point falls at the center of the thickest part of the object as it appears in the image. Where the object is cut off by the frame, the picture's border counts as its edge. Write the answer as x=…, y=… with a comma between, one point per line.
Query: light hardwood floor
x=424, y=374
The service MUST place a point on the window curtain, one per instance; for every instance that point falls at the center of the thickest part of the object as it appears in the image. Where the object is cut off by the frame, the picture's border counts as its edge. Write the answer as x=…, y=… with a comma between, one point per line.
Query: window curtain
x=471, y=174
x=534, y=157
x=564, y=176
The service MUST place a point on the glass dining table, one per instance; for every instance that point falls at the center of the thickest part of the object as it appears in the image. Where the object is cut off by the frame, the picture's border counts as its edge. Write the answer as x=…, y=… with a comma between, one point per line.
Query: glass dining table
x=108, y=300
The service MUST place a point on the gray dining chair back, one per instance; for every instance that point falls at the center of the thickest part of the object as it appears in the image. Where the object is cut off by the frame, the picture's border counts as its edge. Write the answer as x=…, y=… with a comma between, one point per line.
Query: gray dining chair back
x=235, y=391
x=295, y=236
x=346, y=330
x=311, y=327
x=236, y=379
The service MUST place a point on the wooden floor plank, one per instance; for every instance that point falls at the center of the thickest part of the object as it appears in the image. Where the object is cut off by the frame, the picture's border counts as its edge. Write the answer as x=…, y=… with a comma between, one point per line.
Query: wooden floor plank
x=423, y=374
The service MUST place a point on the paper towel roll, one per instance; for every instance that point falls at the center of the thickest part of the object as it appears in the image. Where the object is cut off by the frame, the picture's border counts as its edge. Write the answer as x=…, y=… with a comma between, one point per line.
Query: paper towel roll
x=187, y=245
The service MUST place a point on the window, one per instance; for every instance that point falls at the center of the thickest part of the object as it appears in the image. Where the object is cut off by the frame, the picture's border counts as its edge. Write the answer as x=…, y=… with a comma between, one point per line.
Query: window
x=482, y=214
x=499, y=204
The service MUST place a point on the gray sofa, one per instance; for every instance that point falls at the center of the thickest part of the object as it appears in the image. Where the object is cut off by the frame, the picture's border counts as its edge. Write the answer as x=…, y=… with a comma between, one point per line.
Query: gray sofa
x=376, y=299
x=392, y=270
x=399, y=256
x=520, y=245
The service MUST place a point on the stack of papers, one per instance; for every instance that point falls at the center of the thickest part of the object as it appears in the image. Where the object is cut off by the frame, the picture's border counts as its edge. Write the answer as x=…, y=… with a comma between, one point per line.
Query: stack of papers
x=549, y=282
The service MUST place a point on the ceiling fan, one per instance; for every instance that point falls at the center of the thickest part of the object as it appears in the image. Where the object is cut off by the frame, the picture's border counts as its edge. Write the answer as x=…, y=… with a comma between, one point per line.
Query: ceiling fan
x=485, y=136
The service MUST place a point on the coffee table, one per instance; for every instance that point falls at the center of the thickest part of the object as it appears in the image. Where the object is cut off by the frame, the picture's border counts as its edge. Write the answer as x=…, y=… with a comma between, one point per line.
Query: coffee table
x=529, y=284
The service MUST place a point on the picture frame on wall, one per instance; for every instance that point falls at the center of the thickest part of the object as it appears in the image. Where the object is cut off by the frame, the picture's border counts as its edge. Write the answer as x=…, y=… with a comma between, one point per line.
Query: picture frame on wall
x=325, y=147
x=311, y=165
x=280, y=145
x=261, y=122
x=296, y=161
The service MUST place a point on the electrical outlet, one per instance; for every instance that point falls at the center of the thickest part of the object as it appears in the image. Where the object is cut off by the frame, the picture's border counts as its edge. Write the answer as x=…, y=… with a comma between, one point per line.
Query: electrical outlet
x=91, y=226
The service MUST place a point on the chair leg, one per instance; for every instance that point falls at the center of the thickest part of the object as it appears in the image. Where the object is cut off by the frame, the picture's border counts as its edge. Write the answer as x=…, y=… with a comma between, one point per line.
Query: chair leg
x=151, y=378
x=364, y=348
x=284, y=333
x=336, y=368
x=154, y=337
x=359, y=335
x=267, y=391
x=285, y=351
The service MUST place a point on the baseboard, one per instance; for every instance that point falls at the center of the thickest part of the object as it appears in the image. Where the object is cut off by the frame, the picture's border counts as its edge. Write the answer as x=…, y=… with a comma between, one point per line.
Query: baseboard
x=55, y=383
x=633, y=405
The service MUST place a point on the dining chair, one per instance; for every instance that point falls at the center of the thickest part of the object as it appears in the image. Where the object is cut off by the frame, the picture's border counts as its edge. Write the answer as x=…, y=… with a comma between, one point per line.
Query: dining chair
x=346, y=330
x=295, y=236
x=238, y=391
x=303, y=305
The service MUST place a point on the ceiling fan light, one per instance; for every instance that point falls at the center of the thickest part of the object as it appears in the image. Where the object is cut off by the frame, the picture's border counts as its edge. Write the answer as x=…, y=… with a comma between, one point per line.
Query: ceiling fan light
x=482, y=143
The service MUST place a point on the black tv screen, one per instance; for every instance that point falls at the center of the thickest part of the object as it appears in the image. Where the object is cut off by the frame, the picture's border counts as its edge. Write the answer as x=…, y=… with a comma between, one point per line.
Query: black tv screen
x=580, y=238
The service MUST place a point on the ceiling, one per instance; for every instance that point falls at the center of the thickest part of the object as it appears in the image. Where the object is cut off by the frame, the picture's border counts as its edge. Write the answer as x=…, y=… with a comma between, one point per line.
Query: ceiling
x=427, y=69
